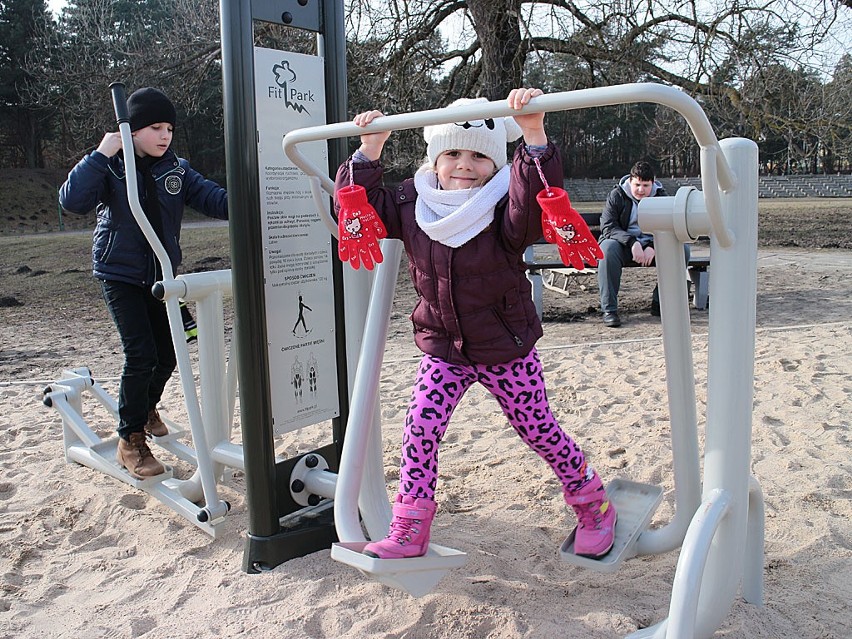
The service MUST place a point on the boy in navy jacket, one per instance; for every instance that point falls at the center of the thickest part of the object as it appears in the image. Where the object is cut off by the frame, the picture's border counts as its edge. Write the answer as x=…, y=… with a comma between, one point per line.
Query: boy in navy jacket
x=124, y=262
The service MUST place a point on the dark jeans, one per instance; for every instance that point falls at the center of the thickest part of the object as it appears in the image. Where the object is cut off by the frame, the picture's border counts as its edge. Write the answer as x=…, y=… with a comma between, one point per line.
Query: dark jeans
x=616, y=257
x=149, y=355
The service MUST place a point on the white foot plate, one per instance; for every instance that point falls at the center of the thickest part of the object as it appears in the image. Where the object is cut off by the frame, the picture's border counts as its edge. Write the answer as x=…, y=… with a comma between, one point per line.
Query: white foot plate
x=101, y=457
x=416, y=576
x=635, y=504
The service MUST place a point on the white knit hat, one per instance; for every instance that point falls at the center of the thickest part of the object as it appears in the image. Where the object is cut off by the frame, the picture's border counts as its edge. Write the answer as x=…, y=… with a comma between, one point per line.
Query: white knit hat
x=488, y=136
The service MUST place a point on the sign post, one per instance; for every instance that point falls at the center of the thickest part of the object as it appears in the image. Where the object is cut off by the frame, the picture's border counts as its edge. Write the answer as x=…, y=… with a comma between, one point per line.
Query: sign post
x=287, y=289
x=298, y=283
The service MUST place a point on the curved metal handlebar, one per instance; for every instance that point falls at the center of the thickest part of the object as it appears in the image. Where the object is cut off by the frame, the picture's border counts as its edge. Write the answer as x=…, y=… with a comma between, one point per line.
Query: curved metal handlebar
x=205, y=471
x=715, y=172
x=119, y=102
x=122, y=116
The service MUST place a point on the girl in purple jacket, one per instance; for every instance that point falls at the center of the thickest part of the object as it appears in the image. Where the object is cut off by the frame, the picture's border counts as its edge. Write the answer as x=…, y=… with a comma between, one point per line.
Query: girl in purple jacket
x=465, y=219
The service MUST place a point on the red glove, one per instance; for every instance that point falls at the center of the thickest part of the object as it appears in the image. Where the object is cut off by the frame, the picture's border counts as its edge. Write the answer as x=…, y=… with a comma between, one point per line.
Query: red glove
x=564, y=227
x=359, y=228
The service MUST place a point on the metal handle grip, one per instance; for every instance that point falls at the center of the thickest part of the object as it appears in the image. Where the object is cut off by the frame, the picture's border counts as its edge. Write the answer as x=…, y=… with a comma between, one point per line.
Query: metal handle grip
x=119, y=102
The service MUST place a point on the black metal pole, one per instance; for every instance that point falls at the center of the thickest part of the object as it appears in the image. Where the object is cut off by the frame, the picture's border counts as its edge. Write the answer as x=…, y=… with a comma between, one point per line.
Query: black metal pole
x=267, y=482
x=247, y=270
x=336, y=108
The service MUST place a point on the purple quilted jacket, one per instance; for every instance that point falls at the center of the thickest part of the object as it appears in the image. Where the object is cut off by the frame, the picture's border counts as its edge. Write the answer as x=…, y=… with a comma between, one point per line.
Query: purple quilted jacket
x=474, y=305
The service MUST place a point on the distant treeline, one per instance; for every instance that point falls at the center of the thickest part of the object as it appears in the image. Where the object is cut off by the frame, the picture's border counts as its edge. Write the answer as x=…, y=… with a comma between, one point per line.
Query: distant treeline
x=55, y=72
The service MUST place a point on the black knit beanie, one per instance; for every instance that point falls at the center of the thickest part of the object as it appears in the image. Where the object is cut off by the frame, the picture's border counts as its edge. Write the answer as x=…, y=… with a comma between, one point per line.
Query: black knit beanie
x=148, y=106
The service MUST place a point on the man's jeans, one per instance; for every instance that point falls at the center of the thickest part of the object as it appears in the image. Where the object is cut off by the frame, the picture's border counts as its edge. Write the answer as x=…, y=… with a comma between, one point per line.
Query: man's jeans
x=616, y=257
x=149, y=355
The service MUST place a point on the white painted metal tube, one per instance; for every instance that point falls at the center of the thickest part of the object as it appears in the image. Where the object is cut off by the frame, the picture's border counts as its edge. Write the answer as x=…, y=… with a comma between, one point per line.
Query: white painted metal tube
x=753, y=571
x=207, y=479
x=680, y=624
x=172, y=288
x=81, y=379
x=211, y=360
x=71, y=417
x=104, y=399
x=321, y=200
x=358, y=285
x=231, y=374
x=74, y=381
x=680, y=385
x=691, y=565
x=190, y=489
x=320, y=482
x=184, y=507
x=709, y=158
x=230, y=455
x=568, y=100
x=363, y=420
x=373, y=497
x=196, y=286
x=730, y=387
x=215, y=407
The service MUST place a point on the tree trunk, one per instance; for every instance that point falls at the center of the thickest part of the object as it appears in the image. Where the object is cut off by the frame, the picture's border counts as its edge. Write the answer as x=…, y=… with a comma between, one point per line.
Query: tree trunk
x=31, y=141
x=497, y=24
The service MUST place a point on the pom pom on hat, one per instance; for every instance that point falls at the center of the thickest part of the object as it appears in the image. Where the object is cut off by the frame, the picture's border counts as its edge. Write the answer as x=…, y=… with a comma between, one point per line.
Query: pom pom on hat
x=488, y=136
x=148, y=106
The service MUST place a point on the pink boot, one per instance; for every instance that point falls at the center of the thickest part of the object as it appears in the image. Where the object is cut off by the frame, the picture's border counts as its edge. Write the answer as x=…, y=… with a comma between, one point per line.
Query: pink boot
x=409, y=530
x=596, y=518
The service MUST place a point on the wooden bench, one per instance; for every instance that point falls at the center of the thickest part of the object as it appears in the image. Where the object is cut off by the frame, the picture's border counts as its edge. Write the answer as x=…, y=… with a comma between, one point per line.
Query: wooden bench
x=698, y=268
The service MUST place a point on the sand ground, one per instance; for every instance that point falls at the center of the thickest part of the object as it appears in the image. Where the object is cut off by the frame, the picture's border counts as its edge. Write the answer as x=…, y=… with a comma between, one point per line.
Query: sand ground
x=86, y=556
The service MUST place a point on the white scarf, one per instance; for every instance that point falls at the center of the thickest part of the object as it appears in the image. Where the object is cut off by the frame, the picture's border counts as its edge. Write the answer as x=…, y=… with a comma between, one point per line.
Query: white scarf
x=455, y=217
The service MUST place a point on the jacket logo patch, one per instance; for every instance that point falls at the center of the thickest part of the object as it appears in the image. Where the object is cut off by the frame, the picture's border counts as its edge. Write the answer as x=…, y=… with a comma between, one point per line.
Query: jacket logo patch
x=173, y=184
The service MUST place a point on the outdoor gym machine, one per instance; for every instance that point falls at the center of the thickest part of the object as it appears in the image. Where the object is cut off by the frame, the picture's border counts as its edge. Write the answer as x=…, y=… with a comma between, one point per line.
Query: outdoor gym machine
x=719, y=523
x=289, y=501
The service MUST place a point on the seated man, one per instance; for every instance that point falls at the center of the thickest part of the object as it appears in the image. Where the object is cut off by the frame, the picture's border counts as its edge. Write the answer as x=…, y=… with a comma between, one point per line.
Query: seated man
x=622, y=241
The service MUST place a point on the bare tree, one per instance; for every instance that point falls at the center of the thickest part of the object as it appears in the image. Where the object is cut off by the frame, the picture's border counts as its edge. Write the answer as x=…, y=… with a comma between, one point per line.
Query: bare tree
x=414, y=54
x=173, y=45
x=710, y=49
x=672, y=41
x=21, y=128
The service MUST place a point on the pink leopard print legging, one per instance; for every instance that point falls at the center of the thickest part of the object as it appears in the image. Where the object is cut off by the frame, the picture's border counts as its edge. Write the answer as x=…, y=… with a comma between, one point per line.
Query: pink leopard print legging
x=518, y=386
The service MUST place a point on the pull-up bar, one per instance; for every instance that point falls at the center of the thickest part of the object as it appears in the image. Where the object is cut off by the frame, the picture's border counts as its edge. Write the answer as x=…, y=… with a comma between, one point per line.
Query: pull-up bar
x=715, y=172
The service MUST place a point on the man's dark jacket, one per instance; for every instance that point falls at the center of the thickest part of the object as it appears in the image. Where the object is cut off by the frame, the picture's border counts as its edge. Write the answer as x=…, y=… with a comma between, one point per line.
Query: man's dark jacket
x=615, y=217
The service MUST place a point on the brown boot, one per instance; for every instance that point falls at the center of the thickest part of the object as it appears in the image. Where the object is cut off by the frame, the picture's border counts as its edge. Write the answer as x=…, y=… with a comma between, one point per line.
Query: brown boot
x=137, y=458
x=155, y=424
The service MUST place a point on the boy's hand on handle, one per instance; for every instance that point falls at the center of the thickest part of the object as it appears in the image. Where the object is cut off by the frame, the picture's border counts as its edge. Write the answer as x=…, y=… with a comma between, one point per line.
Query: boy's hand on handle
x=359, y=228
x=110, y=144
x=565, y=227
x=532, y=124
x=371, y=143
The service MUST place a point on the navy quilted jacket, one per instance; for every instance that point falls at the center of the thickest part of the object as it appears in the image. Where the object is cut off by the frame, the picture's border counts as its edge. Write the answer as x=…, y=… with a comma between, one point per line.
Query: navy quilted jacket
x=120, y=251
